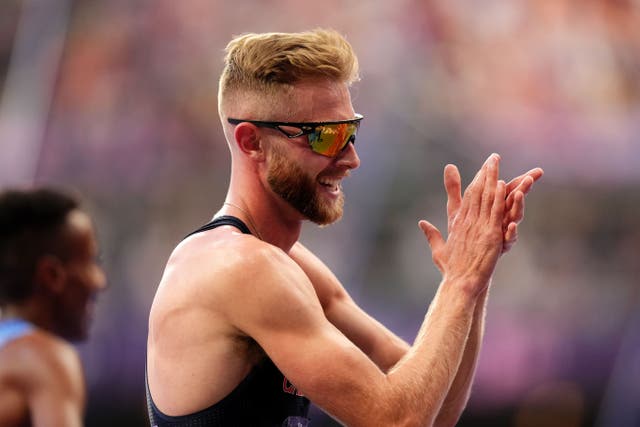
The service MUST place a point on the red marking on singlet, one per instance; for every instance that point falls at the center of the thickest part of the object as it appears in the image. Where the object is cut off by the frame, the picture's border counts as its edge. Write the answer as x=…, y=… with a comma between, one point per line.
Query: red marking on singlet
x=288, y=387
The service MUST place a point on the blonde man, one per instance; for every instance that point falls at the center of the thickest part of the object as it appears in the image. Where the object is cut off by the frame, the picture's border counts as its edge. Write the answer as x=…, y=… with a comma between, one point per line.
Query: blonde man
x=247, y=324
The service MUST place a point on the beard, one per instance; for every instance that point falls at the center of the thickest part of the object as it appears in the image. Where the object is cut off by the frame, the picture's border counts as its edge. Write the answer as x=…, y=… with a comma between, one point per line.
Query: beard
x=289, y=181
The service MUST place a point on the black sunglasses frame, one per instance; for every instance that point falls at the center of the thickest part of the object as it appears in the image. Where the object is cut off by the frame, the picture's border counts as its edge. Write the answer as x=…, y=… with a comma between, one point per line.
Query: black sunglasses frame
x=306, y=128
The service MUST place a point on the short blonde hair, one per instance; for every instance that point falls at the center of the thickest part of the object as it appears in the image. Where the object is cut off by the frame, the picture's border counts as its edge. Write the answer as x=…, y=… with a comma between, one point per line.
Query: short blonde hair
x=267, y=65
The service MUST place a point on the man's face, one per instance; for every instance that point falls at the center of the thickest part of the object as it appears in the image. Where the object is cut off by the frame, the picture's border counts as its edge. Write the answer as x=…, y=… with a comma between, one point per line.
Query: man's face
x=84, y=278
x=304, y=191
x=310, y=182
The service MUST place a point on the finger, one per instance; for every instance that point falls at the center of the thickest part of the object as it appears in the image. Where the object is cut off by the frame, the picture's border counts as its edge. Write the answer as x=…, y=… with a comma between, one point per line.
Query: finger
x=514, y=208
x=478, y=177
x=434, y=237
x=511, y=232
x=535, y=174
x=510, y=237
x=516, y=213
x=497, y=210
x=524, y=187
x=472, y=198
x=491, y=180
x=453, y=186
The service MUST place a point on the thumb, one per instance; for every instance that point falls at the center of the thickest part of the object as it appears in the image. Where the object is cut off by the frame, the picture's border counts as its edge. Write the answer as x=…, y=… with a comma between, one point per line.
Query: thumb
x=434, y=237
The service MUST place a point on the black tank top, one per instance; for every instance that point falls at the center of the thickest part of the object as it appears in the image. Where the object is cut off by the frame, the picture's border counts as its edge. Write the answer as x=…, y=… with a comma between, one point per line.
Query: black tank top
x=264, y=398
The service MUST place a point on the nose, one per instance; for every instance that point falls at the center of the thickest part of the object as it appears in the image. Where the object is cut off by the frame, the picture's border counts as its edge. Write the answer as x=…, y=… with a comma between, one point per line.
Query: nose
x=348, y=157
x=99, y=279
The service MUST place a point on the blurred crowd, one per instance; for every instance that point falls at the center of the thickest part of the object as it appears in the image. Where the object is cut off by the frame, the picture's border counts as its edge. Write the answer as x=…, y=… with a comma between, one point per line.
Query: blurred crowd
x=131, y=123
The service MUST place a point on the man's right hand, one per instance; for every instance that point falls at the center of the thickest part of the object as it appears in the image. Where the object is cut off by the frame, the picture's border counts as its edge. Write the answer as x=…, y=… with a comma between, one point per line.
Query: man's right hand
x=516, y=191
x=469, y=254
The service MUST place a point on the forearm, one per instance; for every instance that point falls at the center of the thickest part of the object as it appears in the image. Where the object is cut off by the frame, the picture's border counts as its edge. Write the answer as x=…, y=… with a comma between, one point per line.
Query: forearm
x=460, y=391
x=467, y=260
x=428, y=370
x=382, y=346
x=386, y=351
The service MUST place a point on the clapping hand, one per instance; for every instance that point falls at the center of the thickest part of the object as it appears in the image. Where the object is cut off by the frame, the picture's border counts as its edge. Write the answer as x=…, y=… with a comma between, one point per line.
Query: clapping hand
x=482, y=224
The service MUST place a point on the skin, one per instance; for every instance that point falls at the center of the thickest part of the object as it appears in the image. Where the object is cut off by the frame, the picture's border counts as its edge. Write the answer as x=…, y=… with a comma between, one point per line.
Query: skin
x=41, y=377
x=225, y=296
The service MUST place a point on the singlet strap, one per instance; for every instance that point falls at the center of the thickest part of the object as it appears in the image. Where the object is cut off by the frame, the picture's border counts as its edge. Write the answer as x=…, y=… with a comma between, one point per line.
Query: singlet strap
x=12, y=329
x=220, y=221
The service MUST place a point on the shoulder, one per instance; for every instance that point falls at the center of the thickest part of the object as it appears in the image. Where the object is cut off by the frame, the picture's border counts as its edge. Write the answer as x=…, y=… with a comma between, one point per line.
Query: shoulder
x=247, y=280
x=223, y=271
x=227, y=253
x=225, y=244
x=260, y=269
x=40, y=360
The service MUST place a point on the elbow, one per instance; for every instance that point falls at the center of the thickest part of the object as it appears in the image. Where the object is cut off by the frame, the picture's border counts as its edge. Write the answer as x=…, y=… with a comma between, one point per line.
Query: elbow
x=407, y=410
x=447, y=420
x=409, y=418
x=414, y=421
x=399, y=417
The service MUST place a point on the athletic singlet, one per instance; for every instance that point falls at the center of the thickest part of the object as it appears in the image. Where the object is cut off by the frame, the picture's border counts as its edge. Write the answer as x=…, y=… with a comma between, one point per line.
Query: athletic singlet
x=264, y=398
x=12, y=329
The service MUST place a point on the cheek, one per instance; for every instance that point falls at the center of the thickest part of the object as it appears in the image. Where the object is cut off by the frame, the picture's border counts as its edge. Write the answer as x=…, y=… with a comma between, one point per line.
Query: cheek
x=78, y=291
x=83, y=282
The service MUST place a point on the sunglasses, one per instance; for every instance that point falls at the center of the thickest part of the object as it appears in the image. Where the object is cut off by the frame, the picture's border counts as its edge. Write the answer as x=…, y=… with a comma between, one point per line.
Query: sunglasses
x=326, y=138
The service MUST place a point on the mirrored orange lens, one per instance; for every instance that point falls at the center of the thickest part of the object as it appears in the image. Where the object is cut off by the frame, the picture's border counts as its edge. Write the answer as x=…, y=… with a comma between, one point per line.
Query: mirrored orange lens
x=329, y=140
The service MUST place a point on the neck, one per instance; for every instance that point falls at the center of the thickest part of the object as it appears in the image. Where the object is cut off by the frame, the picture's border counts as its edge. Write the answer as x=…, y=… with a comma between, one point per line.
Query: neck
x=267, y=222
x=31, y=312
x=274, y=220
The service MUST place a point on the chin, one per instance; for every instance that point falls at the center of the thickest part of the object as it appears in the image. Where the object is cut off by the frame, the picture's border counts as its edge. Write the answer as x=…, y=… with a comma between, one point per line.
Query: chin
x=77, y=337
x=327, y=216
x=76, y=333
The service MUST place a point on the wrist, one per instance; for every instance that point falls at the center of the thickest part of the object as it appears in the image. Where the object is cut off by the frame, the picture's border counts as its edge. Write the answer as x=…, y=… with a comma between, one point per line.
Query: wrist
x=463, y=292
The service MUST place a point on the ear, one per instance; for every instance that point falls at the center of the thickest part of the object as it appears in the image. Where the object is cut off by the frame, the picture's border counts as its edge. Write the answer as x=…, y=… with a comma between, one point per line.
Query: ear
x=50, y=274
x=247, y=138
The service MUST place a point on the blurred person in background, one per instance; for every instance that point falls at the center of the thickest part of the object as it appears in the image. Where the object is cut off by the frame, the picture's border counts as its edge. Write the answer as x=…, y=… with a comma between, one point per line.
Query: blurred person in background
x=248, y=326
x=49, y=279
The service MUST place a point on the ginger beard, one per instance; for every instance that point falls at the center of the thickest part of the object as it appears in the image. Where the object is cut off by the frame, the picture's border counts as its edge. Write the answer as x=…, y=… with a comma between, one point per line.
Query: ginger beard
x=289, y=181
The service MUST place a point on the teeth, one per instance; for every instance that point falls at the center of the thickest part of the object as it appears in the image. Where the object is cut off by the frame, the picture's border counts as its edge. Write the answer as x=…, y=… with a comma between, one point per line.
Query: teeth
x=330, y=182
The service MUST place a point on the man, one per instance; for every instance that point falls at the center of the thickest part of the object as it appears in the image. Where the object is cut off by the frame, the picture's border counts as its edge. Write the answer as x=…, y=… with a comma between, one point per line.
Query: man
x=247, y=324
x=48, y=282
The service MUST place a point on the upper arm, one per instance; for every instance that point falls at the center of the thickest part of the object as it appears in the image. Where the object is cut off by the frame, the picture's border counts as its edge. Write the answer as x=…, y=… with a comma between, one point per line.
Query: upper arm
x=55, y=385
x=374, y=339
x=280, y=310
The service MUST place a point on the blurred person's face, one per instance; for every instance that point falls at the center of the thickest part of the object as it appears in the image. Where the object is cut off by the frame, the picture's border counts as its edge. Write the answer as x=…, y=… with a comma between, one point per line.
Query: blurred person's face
x=311, y=182
x=84, y=278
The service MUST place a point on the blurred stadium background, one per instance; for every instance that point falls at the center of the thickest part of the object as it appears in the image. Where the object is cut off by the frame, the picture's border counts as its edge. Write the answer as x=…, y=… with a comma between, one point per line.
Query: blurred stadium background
x=117, y=100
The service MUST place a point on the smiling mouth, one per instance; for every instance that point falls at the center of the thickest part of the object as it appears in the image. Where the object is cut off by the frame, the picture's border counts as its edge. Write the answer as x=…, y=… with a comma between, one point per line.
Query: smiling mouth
x=331, y=184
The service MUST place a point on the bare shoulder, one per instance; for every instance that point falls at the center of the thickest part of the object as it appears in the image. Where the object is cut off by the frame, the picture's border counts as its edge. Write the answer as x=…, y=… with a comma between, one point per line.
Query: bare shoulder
x=249, y=274
x=271, y=291
x=212, y=276
x=222, y=258
x=41, y=360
